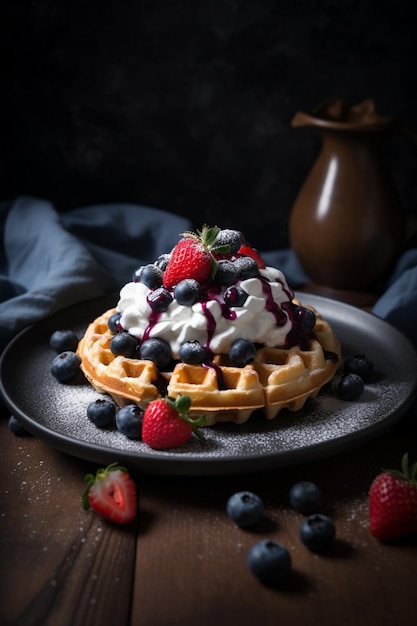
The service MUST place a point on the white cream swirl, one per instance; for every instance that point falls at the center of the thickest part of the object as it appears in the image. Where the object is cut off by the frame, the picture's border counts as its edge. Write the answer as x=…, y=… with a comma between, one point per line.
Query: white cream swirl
x=260, y=320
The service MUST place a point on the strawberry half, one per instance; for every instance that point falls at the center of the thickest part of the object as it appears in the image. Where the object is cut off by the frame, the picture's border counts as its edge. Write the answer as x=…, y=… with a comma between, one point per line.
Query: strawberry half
x=166, y=423
x=393, y=503
x=111, y=493
x=192, y=258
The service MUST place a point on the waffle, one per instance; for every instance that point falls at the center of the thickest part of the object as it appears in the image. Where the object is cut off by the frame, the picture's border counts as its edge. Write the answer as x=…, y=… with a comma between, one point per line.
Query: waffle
x=277, y=379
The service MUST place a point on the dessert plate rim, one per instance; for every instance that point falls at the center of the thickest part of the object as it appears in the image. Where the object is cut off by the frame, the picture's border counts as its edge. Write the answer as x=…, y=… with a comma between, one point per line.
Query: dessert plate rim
x=56, y=413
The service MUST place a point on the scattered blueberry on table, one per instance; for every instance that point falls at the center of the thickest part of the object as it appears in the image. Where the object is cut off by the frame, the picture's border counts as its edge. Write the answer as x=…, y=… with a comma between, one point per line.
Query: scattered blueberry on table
x=269, y=561
x=317, y=532
x=305, y=497
x=245, y=508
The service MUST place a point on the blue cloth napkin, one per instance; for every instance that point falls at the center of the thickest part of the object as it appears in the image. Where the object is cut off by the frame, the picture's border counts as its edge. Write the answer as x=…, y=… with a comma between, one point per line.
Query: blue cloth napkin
x=51, y=260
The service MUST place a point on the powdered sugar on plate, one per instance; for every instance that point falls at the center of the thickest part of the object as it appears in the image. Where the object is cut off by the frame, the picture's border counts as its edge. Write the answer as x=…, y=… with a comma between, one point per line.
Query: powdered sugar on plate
x=326, y=425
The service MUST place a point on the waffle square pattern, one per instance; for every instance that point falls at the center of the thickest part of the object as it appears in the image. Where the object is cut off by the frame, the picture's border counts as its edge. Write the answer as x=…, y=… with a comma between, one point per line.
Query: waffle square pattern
x=277, y=379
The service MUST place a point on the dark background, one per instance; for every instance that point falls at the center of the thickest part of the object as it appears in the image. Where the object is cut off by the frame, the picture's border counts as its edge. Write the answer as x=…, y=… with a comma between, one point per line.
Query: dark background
x=187, y=105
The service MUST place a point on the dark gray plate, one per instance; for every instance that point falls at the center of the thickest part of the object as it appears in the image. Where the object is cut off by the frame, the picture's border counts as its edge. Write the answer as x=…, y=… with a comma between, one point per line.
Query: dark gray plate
x=327, y=425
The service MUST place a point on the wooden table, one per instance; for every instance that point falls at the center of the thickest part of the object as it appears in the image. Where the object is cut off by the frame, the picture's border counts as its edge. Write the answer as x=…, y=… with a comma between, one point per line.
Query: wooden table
x=184, y=562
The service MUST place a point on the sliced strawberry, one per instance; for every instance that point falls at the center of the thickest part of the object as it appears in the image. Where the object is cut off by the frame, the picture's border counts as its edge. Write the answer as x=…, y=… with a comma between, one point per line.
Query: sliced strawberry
x=393, y=503
x=252, y=252
x=167, y=425
x=112, y=494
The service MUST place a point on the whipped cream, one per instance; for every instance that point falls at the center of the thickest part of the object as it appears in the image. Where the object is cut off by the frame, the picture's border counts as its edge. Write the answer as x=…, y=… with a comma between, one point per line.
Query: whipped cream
x=262, y=318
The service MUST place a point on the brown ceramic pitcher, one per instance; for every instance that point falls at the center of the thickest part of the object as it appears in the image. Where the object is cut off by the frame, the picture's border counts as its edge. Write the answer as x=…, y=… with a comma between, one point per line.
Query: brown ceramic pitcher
x=347, y=226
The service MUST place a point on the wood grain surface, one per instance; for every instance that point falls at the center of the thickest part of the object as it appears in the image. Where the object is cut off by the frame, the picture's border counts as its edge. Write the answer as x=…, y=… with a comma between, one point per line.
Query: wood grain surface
x=184, y=561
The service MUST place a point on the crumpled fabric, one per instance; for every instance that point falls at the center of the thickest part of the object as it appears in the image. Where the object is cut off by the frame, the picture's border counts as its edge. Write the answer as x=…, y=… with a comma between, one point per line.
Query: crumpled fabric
x=51, y=260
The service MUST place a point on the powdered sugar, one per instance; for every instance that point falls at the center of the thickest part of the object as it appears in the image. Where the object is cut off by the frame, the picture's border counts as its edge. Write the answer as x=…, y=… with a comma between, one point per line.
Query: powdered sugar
x=327, y=424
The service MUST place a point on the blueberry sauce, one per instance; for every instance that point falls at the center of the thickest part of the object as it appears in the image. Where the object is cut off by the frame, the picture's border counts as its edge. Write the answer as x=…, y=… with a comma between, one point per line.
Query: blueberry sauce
x=153, y=318
x=219, y=374
x=272, y=306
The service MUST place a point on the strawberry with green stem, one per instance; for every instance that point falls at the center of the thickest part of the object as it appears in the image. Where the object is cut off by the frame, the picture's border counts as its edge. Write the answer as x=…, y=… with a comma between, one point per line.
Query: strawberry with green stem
x=393, y=502
x=193, y=257
x=167, y=424
x=111, y=493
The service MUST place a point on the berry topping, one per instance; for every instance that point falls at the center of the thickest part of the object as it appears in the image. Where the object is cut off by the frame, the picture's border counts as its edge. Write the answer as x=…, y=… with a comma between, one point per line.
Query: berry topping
x=308, y=318
x=193, y=353
x=162, y=261
x=129, y=421
x=245, y=508
x=247, y=267
x=187, y=292
x=317, y=532
x=227, y=272
x=269, y=561
x=124, y=344
x=150, y=275
x=192, y=258
x=159, y=299
x=254, y=254
x=350, y=387
x=233, y=239
x=235, y=296
x=63, y=340
x=393, y=502
x=111, y=493
x=156, y=350
x=359, y=365
x=305, y=497
x=65, y=366
x=113, y=323
x=242, y=352
x=101, y=412
x=167, y=424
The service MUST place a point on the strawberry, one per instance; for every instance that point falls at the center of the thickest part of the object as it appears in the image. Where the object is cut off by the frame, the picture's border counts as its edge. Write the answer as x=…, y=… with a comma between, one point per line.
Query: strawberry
x=393, y=502
x=167, y=425
x=111, y=493
x=252, y=252
x=192, y=258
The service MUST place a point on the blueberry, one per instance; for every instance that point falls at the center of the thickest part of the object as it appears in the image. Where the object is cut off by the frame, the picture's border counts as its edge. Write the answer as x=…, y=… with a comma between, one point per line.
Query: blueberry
x=308, y=319
x=16, y=427
x=305, y=497
x=360, y=365
x=113, y=323
x=193, y=353
x=242, y=352
x=63, y=340
x=227, y=272
x=65, y=366
x=247, y=267
x=159, y=299
x=231, y=238
x=124, y=344
x=101, y=412
x=317, y=532
x=156, y=350
x=269, y=561
x=245, y=508
x=162, y=261
x=187, y=292
x=350, y=387
x=235, y=296
x=129, y=421
x=151, y=276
